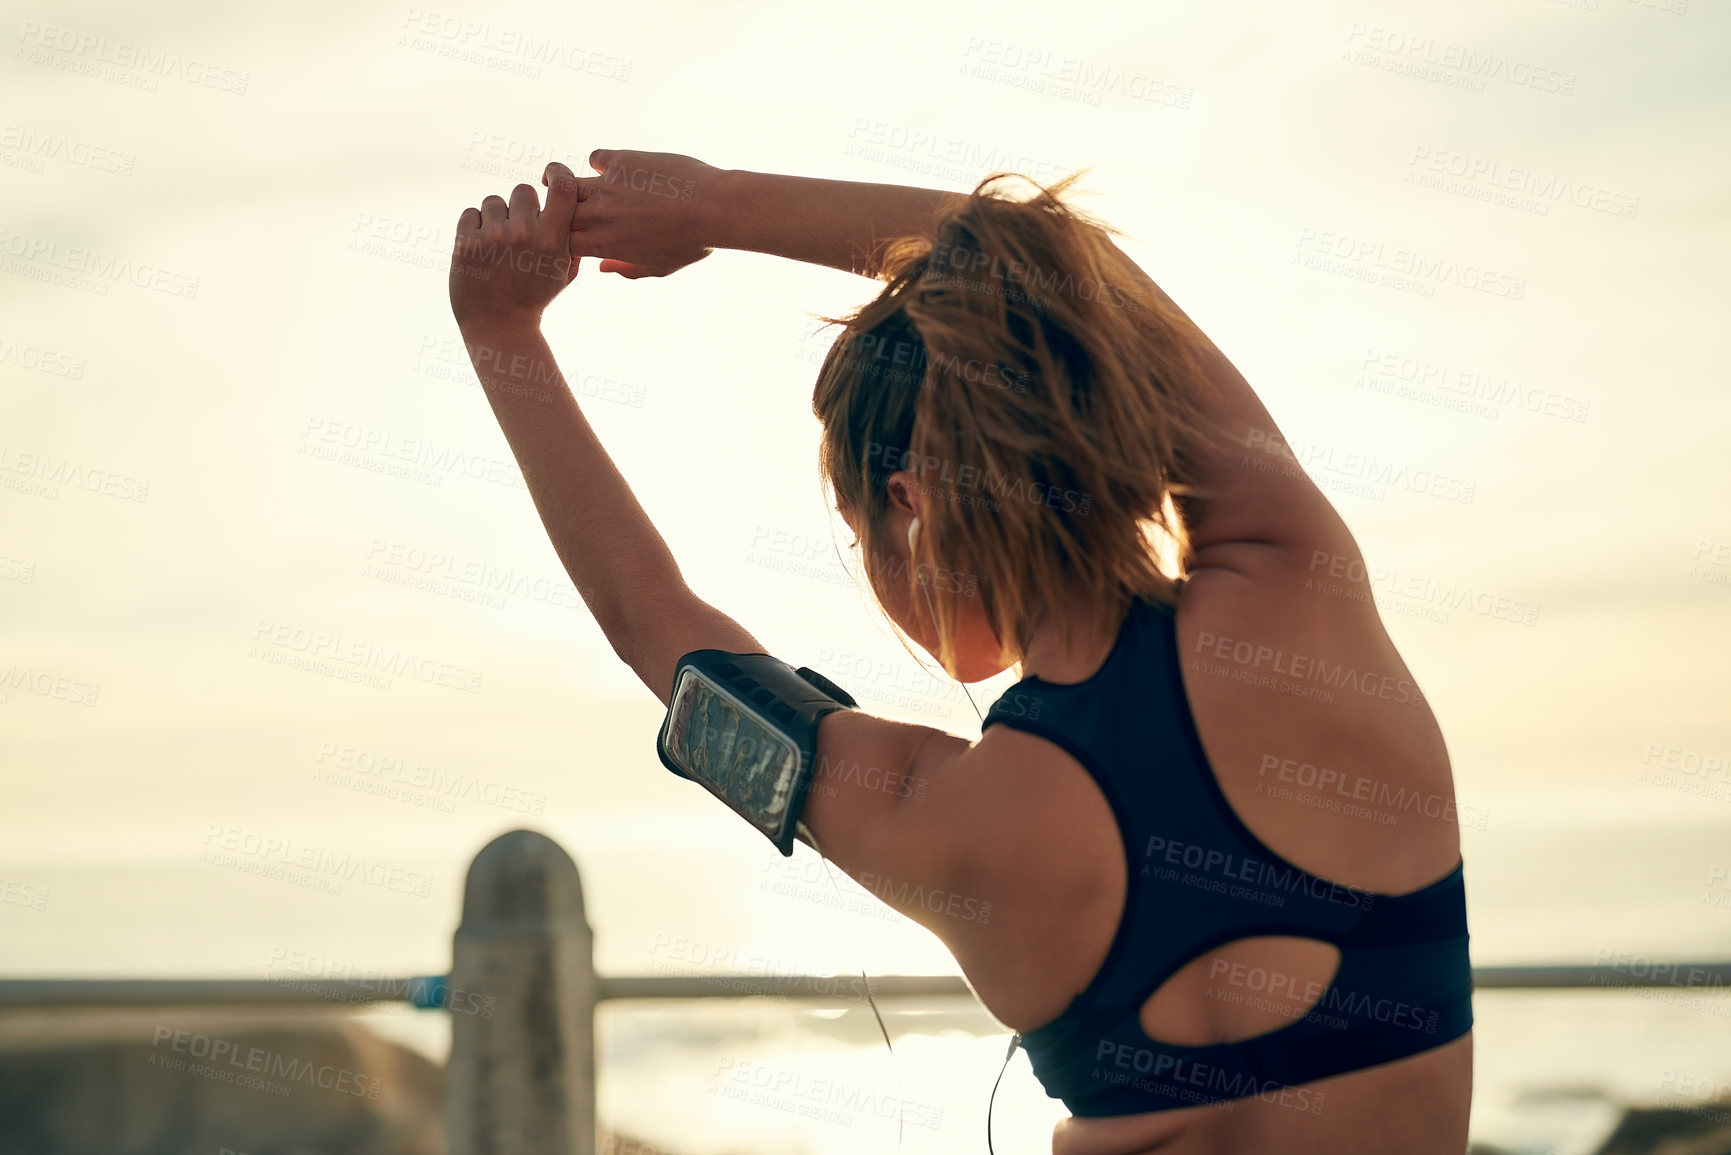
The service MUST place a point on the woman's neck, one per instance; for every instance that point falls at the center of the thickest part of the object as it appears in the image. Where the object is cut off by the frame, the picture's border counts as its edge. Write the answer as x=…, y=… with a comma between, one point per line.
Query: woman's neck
x=1069, y=645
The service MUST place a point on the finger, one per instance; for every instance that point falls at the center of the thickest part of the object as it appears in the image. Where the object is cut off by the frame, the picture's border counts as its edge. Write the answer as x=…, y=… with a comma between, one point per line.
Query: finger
x=493, y=210
x=586, y=243
x=526, y=206
x=468, y=229
x=625, y=269
x=561, y=185
x=601, y=158
x=588, y=187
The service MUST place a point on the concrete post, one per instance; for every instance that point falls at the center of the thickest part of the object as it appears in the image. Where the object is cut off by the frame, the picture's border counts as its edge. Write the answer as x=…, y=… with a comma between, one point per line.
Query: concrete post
x=522, y=1082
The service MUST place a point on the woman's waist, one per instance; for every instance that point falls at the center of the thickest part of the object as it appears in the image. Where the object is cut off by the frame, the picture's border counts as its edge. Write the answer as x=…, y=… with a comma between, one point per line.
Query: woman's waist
x=1417, y=1105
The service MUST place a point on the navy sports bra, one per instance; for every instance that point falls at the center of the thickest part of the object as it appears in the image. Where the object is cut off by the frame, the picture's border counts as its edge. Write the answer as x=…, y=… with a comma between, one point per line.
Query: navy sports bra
x=1199, y=878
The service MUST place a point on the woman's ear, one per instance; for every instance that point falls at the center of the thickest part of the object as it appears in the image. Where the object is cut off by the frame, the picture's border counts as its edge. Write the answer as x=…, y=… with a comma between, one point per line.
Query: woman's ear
x=902, y=492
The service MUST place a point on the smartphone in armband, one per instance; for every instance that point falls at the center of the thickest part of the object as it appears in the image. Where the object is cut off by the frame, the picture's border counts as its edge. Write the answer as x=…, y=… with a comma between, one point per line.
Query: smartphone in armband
x=744, y=727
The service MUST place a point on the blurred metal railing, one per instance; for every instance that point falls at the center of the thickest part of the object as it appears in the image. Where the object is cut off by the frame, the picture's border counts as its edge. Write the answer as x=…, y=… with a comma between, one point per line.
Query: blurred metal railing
x=428, y=992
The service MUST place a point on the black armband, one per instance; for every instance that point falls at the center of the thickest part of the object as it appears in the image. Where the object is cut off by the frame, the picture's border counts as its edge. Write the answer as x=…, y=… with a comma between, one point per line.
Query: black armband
x=744, y=727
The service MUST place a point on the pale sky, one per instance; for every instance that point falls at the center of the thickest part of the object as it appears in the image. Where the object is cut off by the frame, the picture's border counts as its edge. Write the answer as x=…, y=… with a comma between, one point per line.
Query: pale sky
x=307, y=172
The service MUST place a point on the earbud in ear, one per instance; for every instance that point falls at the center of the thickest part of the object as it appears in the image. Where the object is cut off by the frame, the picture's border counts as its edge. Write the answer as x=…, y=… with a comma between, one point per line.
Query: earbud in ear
x=913, y=530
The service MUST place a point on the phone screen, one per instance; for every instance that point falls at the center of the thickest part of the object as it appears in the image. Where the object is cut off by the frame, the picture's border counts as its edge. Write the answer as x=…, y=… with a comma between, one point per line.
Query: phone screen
x=724, y=744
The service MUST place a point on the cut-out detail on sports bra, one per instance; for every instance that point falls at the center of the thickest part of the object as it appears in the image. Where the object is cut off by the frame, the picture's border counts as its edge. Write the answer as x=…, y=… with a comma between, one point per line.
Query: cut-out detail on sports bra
x=1199, y=878
x=1224, y=995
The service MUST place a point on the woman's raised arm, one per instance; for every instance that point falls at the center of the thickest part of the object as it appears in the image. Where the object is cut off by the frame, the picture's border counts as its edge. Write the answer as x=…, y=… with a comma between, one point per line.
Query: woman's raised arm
x=841, y=224
x=649, y=214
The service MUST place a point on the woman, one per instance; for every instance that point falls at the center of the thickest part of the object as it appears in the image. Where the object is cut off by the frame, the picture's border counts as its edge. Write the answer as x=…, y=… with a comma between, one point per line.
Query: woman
x=1214, y=818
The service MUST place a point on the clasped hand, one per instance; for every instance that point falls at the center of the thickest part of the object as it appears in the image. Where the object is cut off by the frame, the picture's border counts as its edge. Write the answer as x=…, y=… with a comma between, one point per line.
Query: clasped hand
x=645, y=215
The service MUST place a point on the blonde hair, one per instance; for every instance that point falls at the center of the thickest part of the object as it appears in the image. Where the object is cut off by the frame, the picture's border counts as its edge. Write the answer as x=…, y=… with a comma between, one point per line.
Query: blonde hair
x=1047, y=402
